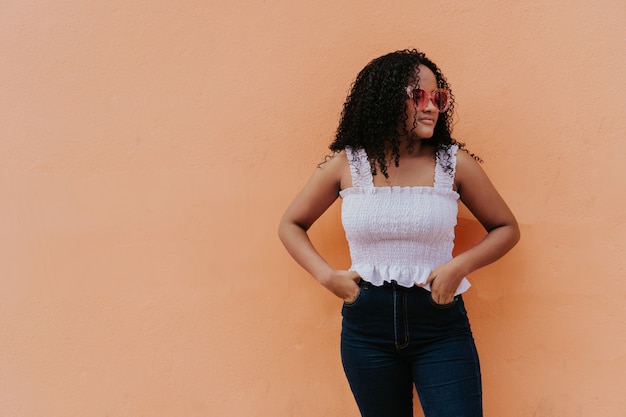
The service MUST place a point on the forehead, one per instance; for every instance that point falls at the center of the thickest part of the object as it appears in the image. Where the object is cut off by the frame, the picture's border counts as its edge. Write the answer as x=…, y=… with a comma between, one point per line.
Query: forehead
x=427, y=78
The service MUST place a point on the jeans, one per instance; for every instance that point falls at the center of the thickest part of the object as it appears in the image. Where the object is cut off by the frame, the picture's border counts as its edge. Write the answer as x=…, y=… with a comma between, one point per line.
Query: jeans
x=393, y=337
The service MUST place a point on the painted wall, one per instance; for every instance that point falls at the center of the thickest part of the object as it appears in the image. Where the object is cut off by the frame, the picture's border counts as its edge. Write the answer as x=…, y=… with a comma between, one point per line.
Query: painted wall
x=148, y=149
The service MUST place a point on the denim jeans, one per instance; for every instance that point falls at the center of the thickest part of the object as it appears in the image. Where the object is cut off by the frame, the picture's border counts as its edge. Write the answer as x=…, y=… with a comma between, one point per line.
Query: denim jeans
x=393, y=337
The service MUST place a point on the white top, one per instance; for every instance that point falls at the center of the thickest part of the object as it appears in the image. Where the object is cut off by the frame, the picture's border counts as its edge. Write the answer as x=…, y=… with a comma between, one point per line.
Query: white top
x=400, y=233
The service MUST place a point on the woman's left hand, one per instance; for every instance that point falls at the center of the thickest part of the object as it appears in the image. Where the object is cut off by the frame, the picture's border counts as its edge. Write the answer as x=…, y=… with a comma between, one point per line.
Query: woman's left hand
x=444, y=281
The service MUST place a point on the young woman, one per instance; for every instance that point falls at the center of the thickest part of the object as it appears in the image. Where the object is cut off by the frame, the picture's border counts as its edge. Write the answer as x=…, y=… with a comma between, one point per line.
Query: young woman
x=400, y=175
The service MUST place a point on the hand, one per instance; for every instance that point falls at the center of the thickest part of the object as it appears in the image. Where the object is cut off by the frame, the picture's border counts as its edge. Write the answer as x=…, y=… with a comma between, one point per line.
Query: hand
x=344, y=284
x=444, y=281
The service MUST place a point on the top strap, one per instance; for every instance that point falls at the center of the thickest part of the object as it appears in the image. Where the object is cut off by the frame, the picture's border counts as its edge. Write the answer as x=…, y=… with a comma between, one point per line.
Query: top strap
x=360, y=168
x=446, y=168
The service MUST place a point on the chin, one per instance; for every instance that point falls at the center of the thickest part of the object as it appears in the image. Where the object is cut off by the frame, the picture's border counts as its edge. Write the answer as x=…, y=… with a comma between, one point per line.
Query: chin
x=424, y=135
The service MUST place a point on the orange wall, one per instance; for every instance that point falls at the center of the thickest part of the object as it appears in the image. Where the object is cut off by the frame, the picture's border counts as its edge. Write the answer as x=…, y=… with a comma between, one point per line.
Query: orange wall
x=149, y=148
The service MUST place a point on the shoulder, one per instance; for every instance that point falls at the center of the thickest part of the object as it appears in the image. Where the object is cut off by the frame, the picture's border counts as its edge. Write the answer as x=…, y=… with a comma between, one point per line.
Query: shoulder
x=336, y=167
x=334, y=161
x=464, y=159
x=468, y=170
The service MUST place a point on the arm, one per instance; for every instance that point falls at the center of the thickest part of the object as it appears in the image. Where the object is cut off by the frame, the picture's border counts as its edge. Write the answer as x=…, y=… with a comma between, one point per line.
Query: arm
x=317, y=195
x=483, y=200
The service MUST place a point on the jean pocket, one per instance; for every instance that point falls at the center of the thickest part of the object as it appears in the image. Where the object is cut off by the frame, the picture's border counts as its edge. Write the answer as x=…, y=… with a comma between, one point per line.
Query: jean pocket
x=362, y=286
x=443, y=306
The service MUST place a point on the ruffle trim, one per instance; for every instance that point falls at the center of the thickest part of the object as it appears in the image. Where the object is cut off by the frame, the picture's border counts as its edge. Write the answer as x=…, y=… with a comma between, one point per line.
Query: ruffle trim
x=397, y=189
x=404, y=276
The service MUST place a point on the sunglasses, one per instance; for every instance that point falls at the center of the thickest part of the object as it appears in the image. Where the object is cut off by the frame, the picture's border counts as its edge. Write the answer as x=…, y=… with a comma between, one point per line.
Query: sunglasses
x=440, y=98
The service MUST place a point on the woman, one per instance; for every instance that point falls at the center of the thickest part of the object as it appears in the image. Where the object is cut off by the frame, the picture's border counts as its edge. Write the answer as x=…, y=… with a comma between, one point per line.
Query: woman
x=397, y=169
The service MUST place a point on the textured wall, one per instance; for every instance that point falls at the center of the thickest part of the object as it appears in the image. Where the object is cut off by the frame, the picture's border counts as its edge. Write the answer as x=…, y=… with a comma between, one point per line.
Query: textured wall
x=149, y=148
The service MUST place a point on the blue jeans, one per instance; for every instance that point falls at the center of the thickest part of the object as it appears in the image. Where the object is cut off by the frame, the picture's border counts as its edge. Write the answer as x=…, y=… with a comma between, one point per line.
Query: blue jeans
x=393, y=337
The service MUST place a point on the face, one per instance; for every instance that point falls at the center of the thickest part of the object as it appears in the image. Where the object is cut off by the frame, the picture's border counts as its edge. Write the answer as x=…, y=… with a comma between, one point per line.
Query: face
x=422, y=119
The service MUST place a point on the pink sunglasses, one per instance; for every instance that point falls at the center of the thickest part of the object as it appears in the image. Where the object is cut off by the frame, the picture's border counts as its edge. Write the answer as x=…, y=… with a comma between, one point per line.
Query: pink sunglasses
x=440, y=98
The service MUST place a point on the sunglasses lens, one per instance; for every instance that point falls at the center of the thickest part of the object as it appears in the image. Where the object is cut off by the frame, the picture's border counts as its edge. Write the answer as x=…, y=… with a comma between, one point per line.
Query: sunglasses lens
x=441, y=99
x=421, y=97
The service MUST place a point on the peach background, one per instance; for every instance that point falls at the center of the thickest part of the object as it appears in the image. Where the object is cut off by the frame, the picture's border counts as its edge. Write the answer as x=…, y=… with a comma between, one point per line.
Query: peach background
x=149, y=148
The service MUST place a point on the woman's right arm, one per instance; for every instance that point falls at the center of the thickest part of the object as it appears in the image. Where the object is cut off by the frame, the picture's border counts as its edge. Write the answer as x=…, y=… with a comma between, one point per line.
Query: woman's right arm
x=318, y=194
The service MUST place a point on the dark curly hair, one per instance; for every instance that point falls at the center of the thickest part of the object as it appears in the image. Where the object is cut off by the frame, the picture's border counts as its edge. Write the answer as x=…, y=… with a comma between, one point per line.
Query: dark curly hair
x=376, y=105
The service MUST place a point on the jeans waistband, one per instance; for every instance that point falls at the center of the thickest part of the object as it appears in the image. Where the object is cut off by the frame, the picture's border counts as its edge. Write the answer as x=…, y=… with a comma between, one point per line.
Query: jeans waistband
x=387, y=284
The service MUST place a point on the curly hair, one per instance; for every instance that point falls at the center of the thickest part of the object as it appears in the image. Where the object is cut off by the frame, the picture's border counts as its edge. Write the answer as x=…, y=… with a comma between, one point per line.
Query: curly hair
x=376, y=106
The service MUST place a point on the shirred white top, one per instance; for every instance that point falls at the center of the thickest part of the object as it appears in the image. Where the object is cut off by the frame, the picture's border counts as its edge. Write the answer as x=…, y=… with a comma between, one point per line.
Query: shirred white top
x=400, y=233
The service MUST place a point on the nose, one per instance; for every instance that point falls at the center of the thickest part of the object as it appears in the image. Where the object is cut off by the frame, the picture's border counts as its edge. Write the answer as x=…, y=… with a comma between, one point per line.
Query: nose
x=430, y=106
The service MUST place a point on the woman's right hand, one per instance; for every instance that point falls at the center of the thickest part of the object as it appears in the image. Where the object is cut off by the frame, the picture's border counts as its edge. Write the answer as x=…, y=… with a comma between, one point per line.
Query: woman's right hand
x=344, y=284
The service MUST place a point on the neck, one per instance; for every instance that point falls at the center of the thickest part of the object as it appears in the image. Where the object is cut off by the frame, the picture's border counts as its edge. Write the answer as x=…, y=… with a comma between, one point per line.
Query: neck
x=408, y=149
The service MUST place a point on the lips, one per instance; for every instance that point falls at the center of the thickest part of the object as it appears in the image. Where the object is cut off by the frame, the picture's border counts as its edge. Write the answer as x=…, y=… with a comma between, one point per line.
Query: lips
x=426, y=120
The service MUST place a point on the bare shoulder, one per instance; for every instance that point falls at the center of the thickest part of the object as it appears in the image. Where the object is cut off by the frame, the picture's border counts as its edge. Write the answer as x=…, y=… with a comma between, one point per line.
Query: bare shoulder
x=334, y=161
x=468, y=170
x=465, y=160
x=336, y=166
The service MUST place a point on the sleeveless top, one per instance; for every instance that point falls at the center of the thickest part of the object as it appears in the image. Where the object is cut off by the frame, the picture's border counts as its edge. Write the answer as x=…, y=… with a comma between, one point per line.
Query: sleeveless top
x=398, y=233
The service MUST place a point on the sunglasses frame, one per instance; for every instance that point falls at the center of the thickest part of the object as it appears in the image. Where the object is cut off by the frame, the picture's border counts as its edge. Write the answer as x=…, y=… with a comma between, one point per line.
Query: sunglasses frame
x=431, y=97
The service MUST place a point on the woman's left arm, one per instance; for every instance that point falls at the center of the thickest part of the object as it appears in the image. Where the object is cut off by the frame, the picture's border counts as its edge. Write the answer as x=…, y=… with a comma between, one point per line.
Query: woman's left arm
x=483, y=200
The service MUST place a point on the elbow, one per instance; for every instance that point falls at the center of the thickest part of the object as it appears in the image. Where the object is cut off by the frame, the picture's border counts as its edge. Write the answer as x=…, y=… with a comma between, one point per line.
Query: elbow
x=287, y=228
x=509, y=233
x=282, y=230
x=515, y=233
